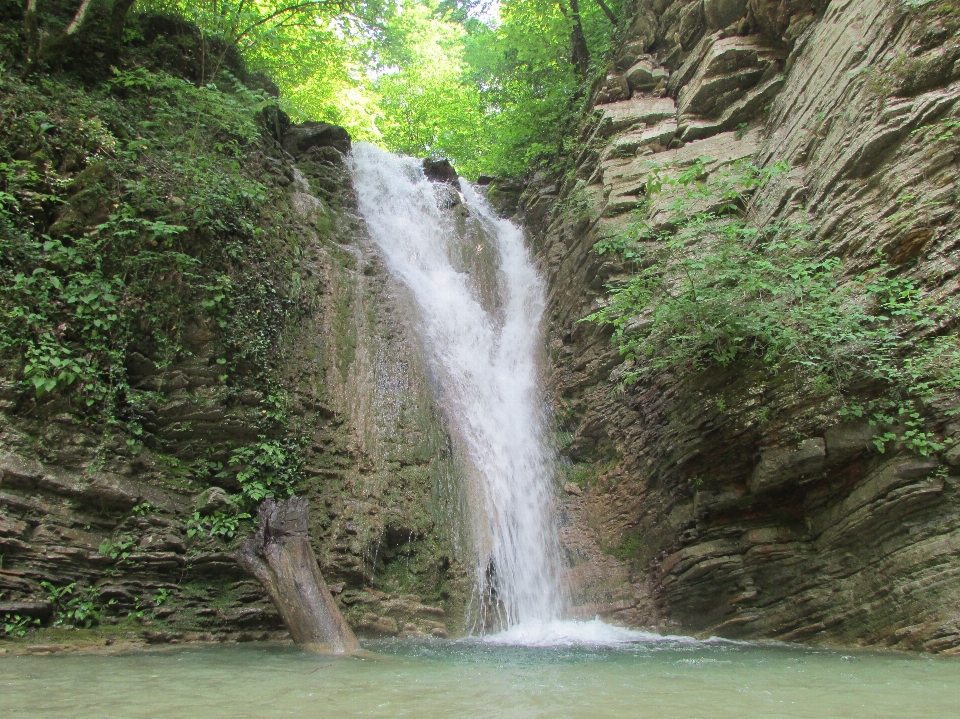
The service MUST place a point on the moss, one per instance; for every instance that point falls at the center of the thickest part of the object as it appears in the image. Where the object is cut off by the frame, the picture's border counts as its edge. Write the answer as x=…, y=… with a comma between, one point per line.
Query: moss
x=629, y=548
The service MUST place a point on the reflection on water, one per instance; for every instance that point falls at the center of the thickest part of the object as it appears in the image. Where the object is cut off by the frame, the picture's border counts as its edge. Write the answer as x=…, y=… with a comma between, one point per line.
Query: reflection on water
x=662, y=679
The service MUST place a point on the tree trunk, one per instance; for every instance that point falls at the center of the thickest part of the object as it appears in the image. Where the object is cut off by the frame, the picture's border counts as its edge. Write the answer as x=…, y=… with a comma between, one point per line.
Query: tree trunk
x=611, y=15
x=31, y=31
x=580, y=52
x=118, y=19
x=41, y=44
x=279, y=555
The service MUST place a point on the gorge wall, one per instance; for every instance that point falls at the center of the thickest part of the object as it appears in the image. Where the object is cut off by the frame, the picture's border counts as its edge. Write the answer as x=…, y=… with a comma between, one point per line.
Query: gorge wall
x=132, y=511
x=731, y=500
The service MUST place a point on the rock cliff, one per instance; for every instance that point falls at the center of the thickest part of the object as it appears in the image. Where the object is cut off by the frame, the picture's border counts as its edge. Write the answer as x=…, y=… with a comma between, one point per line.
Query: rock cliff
x=731, y=498
x=288, y=366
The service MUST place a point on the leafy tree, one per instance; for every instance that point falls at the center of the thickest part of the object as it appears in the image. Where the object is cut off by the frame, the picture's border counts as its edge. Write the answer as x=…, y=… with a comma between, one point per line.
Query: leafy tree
x=315, y=51
x=426, y=102
x=490, y=86
x=530, y=75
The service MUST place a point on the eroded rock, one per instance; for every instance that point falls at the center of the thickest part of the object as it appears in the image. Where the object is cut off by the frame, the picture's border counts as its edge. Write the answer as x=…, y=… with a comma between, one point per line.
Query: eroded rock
x=781, y=466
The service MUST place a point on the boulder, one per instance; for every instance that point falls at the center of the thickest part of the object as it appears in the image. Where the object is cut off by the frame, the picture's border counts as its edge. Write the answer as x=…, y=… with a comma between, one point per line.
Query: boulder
x=162, y=542
x=644, y=75
x=385, y=626
x=615, y=88
x=917, y=468
x=848, y=440
x=300, y=138
x=721, y=13
x=619, y=116
x=627, y=144
x=16, y=471
x=720, y=71
x=39, y=610
x=952, y=457
x=440, y=170
x=630, y=53
x=10, y=527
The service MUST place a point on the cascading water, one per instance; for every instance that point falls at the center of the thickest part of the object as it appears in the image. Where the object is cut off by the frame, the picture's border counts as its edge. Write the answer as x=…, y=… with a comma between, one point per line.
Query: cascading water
x=480, y=302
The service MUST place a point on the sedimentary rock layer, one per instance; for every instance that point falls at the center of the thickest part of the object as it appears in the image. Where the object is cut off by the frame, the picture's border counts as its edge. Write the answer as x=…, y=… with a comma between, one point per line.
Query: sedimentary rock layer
x=735, y=502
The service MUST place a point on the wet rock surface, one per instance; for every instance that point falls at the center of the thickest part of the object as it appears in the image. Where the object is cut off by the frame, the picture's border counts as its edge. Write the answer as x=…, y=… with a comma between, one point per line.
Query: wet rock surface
x=300, y=138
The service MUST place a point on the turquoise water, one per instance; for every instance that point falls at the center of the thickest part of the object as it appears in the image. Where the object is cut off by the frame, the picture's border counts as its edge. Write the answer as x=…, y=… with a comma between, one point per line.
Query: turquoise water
x=427, y=679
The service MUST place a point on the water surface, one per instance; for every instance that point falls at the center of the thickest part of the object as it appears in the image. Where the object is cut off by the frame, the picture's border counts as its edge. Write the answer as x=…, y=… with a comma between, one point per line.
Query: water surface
x=662, y=679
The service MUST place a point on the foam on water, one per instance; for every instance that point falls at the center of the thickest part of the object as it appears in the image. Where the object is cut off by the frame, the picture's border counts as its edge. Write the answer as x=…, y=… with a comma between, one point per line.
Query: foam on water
x=560, y=633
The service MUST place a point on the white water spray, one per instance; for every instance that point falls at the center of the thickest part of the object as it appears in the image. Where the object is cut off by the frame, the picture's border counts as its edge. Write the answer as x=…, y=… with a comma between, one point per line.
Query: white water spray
x=482, y=336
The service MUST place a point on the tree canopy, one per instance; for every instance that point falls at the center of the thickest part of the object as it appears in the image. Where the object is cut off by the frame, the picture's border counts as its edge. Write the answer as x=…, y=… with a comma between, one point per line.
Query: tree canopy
x=484, y=84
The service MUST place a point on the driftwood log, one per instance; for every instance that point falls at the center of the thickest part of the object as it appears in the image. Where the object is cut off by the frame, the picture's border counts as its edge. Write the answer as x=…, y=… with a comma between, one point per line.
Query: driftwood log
x=279, y=555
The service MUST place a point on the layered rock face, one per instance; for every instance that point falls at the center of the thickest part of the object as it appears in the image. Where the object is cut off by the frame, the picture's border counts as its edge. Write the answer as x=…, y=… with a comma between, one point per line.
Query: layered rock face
x=131, y=531
x=730, y=501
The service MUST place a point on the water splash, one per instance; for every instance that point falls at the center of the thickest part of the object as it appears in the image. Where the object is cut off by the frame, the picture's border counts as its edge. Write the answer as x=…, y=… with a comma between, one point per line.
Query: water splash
x=560, y=633
x=481, y=303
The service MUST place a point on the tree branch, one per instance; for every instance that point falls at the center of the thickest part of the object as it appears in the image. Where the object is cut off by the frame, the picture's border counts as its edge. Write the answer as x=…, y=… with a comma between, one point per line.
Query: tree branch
x=78, y=18
x=611, y=16
x=118, y=18
x=289, y=9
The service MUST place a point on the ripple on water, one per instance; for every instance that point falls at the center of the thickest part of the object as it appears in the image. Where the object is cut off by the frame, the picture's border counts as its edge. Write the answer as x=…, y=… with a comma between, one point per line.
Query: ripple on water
x=645, y=677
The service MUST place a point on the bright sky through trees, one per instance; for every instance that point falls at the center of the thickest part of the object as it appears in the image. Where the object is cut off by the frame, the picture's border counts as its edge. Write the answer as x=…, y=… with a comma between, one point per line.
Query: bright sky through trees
x=486, y=84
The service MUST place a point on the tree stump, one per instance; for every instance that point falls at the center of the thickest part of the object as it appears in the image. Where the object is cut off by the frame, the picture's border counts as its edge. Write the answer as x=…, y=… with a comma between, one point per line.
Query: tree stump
x=279, y=555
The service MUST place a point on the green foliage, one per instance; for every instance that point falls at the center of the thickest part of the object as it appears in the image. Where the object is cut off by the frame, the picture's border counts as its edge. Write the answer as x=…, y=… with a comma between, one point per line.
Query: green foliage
x=712, y=289
x=528, y=87
x=13, y=625
x=219, y=524
x=316, y=52
x=629, y=548
x=489, y=89
x=943, y=131
x=140, y=210
x=491, y=95
x=896, y=421
x=267, y=468
x=120, y=549
x=427, y=104
x=163, y=168
x=77, y=607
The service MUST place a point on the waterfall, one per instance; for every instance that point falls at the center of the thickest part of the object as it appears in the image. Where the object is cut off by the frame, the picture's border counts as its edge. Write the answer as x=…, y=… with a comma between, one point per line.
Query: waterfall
x=480, y=303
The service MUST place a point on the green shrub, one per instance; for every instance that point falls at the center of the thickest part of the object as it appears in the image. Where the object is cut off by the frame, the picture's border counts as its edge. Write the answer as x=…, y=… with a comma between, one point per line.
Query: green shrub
x=713, y=289
x=13, y=625
x=77, y=607
x=129, y=210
